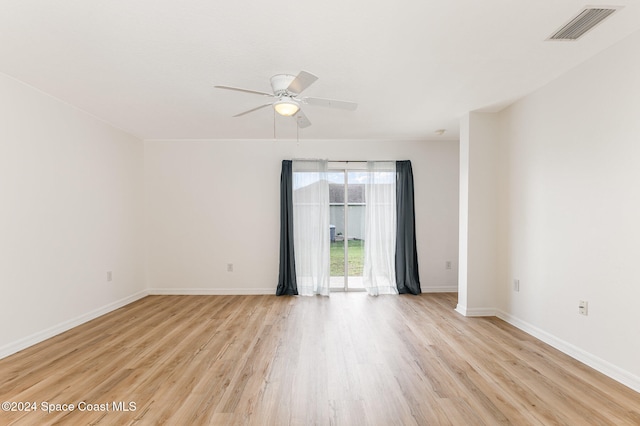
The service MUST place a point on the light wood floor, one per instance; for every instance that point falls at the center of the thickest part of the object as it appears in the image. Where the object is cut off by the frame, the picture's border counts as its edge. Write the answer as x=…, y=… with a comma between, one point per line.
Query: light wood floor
x=348, y=360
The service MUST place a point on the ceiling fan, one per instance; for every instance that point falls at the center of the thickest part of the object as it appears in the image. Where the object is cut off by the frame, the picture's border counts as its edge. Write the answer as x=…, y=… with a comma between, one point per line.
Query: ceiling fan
x=287, y=100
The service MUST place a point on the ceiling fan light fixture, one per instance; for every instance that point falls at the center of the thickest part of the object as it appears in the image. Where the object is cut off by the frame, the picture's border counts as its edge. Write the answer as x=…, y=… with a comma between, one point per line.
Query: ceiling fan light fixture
x=286, y=106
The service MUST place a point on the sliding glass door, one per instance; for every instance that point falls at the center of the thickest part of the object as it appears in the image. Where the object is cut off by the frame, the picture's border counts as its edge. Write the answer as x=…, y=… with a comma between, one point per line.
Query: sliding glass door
x=352, y=226
x=347, y=215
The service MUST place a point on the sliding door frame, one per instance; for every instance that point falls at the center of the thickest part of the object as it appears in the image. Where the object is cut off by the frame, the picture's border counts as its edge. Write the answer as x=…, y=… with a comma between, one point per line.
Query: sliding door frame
x=345, y=167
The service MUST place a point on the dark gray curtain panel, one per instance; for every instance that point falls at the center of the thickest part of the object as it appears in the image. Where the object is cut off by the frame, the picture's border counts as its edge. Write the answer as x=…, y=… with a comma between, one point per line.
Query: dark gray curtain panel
x=287, y=277
x=407, y=278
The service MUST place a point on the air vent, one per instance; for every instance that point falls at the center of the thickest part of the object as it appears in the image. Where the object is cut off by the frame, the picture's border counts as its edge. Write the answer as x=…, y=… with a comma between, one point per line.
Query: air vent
x=583, y=22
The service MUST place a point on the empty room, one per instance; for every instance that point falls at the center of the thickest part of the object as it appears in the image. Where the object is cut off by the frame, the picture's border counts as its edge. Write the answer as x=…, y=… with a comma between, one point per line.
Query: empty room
x=319, y=213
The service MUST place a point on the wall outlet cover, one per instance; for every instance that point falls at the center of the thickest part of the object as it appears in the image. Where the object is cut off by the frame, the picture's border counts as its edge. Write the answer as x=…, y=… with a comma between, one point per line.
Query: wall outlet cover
x=583, y=307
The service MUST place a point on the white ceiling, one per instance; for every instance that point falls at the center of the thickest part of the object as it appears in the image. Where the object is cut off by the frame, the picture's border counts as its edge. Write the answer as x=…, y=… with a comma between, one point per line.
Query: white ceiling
x=413, y=66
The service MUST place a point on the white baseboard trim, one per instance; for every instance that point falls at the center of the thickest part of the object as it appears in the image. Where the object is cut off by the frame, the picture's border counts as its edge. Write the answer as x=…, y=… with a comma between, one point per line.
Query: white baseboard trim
x=475, y=312
x=481, y=312
x=440, y=289
x=462, y=310
x=210, y=291
x=43, y=335
x=255, y=291
x=616, y=373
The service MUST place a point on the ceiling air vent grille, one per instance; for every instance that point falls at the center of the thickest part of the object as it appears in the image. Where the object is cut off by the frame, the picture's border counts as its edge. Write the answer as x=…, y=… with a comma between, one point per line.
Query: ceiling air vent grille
x=583, y=22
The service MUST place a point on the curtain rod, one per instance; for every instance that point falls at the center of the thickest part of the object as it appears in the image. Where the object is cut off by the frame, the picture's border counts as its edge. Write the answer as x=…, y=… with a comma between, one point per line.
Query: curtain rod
x=341, y=161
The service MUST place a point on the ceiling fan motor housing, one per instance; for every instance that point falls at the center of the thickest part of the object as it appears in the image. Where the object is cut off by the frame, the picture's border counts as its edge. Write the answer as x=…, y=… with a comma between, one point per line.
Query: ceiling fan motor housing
x=280, y=83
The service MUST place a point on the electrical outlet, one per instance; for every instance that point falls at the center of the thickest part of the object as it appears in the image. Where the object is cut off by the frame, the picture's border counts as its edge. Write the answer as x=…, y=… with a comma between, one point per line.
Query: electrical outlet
x=109, y=276
x=583, y=307
x=229, y=267
x=447, y=264
x=516, y=285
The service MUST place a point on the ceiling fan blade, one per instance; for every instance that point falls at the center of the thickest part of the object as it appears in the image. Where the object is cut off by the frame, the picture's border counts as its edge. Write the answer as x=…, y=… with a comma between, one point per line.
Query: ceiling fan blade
x=301, y=82
x=253, y=109
x=302, y=120
x=330, y=103
x=237, y=89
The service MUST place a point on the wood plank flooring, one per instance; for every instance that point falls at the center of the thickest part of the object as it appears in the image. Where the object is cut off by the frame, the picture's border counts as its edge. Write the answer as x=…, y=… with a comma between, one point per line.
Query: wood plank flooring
x=350, y=359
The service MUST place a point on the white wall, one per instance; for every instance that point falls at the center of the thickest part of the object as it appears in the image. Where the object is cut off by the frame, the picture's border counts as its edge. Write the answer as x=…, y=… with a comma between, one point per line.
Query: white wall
x=479, y=224
x=210, y=203
x=70, y=210
x=572, y=211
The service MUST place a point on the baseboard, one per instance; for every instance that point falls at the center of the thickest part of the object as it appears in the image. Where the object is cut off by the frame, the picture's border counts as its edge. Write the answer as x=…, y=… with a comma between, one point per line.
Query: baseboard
x=462, y=310
x=255, y=291
x=43, y=335
x=440, y=289
x=211, y=291
x=481, y=312
x=475, y=312
x=616, y=373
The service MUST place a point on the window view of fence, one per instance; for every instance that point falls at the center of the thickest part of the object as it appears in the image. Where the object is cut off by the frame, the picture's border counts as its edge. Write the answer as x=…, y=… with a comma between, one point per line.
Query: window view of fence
x=346, y=229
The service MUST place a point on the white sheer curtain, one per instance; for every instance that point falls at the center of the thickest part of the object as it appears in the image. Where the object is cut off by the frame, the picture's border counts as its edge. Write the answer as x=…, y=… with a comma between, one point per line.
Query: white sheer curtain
x=311, y=226
x=380, y=228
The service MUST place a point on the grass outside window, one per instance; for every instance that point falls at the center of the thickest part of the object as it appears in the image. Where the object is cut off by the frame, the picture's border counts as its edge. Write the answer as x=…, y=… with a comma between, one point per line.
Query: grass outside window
x=356, y=258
